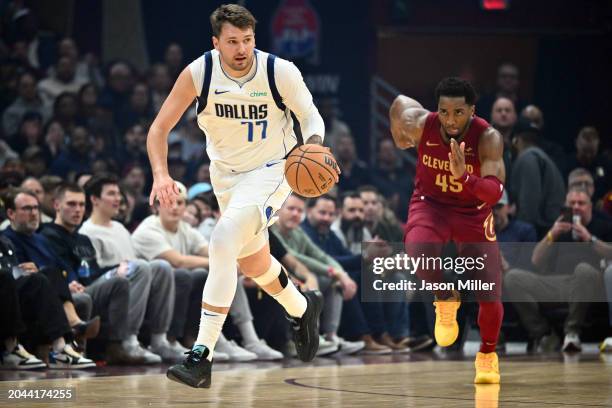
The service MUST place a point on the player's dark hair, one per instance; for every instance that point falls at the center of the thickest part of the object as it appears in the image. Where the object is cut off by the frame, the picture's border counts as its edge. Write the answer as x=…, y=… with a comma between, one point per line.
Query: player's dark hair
x=456, y=87
x=234, y=14
x=313, y=201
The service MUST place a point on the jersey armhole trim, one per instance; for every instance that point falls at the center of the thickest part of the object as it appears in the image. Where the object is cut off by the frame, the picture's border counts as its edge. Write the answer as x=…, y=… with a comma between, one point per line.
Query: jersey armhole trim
x=202, y=100
x=272, y=82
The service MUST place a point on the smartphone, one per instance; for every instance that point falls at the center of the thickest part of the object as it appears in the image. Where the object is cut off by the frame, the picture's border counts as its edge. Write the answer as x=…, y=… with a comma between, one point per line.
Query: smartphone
x=567, y=213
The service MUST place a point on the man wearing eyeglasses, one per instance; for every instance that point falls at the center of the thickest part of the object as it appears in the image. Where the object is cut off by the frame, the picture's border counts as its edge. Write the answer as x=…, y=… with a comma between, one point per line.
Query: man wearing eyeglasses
x=34, y=254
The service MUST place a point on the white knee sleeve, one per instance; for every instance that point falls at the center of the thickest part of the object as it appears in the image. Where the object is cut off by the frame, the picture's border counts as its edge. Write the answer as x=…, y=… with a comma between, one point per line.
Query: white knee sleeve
x=270, y=275
x=235, y=231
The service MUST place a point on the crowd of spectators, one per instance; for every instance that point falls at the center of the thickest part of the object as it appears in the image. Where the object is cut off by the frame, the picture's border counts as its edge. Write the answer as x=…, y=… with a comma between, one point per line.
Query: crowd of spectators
x=85, y=259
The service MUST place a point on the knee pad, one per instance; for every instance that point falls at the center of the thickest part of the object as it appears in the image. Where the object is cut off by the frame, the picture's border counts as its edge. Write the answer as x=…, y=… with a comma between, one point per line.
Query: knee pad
x=274, y=271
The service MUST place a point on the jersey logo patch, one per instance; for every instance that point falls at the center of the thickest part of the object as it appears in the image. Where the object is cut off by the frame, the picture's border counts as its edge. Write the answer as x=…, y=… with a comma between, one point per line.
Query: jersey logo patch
x=429, y=144
x=218, y=92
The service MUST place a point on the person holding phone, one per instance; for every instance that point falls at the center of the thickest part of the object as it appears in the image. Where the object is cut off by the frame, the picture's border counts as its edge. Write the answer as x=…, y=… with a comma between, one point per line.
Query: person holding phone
x=569, y=273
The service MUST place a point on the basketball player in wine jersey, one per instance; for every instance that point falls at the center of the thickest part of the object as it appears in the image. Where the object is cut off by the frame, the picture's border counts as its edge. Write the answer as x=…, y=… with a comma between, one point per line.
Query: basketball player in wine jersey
x=245, y=98
x=459, y=177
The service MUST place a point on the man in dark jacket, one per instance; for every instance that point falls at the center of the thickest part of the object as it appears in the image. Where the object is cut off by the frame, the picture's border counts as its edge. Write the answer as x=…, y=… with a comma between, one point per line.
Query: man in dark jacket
x=109, y=291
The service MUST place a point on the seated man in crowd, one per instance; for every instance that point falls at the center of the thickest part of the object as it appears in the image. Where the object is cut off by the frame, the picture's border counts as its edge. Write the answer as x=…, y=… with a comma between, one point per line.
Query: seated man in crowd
x=34, y=185
x=321, y=212
x=36, y=256
x=151, y=283
x=568, y=273
x=535, y=182
x=581, y=177
x=333, y=281
x=166, y=236
x=13, y=356
x=389, y=319
x=405, y=325
x=109, y=293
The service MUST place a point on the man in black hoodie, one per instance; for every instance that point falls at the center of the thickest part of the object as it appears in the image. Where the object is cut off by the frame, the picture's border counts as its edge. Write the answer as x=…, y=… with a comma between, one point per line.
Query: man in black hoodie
x=109, y=292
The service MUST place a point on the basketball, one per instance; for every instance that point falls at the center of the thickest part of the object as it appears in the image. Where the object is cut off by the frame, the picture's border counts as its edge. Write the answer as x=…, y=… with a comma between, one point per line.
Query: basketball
x=310, y=170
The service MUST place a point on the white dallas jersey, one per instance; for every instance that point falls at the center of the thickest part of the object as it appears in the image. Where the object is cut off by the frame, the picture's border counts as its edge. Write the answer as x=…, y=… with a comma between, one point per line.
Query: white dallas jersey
x=244, y=126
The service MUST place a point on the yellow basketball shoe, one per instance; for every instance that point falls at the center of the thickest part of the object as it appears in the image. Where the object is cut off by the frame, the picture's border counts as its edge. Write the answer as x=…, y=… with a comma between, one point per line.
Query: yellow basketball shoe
x=486, y=396
x=487, y=368
x=447, y=329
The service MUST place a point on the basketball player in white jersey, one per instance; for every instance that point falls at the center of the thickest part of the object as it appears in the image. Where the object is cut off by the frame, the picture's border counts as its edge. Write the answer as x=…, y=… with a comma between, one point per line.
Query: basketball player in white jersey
x=244, y=102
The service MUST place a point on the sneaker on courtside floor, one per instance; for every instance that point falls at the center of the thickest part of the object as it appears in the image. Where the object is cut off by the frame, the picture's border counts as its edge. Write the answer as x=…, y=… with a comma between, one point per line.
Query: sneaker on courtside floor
x=447, y=329
x=326, y=347
x=195, y=370
x=306, y=328
x=606, y=345
x=571, y=343
x=234, y=351
x=487, y=368
x=20, y=359
x=68, y=358
x=263, y=351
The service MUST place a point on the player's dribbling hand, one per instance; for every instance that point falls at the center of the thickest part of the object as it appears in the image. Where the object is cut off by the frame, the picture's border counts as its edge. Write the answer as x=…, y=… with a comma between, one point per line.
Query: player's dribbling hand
x=336, y=167
x=457, y=159
x=165, y=190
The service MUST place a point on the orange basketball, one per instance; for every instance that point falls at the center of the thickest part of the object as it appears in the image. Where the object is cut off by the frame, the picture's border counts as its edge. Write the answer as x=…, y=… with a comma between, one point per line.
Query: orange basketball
x=310, y=170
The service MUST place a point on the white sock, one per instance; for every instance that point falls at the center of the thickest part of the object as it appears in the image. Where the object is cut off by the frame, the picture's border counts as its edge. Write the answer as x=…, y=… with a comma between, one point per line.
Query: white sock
x=59, y=344
x=248, y=333
x=211, y=324
x=158, y=340
x=130, y=342
x=292, y=300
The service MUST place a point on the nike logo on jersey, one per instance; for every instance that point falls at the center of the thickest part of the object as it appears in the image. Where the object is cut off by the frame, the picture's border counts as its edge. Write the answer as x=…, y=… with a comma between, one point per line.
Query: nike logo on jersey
x=218, y=92
x=209, y=314
x=429, y=144
x=481, y=206
x=271, y=164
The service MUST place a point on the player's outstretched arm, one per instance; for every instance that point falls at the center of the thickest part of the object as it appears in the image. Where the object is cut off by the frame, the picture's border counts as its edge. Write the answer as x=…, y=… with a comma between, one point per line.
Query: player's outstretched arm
x=182, y=95
x=407, y=117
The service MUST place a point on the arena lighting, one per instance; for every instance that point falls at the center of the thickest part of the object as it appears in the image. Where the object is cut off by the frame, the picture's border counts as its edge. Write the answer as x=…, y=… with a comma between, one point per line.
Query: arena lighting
x=490, y=5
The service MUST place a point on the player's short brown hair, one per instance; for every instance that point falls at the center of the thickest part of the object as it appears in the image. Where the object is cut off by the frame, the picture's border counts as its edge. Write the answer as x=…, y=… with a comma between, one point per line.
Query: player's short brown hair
x=234, y=14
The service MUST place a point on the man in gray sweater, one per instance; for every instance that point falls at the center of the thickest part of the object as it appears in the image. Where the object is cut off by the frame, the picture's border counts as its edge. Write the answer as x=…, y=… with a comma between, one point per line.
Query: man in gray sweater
x=152, y=287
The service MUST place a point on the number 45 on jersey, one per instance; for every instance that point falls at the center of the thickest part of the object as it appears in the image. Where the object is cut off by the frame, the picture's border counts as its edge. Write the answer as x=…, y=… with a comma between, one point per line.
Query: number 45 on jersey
x=448, y=182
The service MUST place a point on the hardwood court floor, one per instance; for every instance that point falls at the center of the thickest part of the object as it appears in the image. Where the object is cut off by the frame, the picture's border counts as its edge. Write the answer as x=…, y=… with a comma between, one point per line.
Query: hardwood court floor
x=386, y=381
